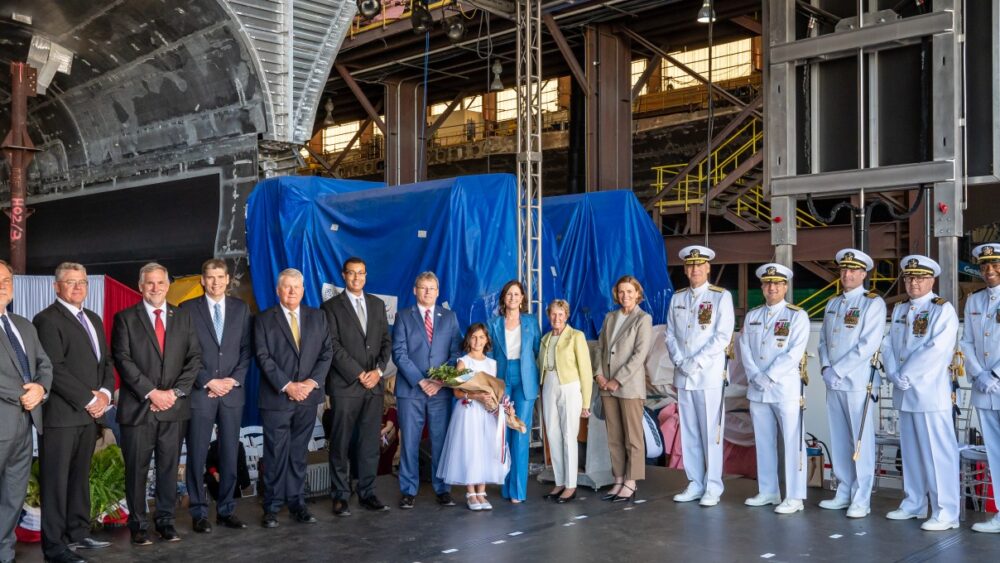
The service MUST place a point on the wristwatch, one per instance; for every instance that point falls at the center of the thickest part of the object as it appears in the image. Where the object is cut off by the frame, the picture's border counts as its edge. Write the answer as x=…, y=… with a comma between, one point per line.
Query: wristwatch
x=177, y=393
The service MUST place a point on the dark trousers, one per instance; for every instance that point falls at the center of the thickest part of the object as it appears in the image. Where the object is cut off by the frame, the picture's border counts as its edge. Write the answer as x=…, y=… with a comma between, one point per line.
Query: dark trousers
x=360, y=417
x=15, y=466
x=199, y=438
x=64, y=477
x=286, y=447
x=139, y=444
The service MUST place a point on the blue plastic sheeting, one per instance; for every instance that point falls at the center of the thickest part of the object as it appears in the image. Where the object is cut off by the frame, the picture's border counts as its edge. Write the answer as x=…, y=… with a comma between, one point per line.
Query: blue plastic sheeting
x=600, y=237
x=463, y=229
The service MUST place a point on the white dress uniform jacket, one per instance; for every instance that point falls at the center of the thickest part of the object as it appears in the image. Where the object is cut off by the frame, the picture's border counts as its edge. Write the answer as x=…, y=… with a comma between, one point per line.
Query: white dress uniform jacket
x=981, y=345
x=918, y=351
x=700, y=325
x=853, y=325
x=773, y=341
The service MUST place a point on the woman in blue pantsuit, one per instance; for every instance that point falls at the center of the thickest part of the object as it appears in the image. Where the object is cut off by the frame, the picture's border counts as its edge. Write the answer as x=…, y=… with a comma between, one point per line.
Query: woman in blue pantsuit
x=515, y=347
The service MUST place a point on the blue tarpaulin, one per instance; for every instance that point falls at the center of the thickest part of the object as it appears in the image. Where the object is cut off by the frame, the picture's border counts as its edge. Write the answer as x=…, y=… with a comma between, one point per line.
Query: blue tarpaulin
x=600, y=237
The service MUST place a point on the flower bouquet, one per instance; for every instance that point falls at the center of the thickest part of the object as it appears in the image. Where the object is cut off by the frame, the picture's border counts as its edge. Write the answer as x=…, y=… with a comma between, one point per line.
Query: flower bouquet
x=479, y=382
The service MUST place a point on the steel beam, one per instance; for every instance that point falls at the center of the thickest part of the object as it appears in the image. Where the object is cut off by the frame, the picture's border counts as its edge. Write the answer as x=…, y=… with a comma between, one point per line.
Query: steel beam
x=651, y=67
x=608, y=109
x=850, y=181
x=445, y=114
x=749, y=23
x=402, y=132
x=869, y=37
x=567, y=53
x=360, y=96
x=350, y=144
x=19, y=151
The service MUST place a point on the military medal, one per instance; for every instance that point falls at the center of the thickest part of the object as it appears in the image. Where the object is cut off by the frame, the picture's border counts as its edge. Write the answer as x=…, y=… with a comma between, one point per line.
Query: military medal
x=705, y=314
x=852, y=317
x=781, y=328
x=920, y=324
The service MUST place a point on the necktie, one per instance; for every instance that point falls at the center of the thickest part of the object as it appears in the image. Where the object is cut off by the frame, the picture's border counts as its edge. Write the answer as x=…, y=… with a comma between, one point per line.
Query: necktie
x=159, y=329
x=217, y=321
x=86, y=327
x=428, y=326
x=18, y=350
x=361, y=316
x=293, y=323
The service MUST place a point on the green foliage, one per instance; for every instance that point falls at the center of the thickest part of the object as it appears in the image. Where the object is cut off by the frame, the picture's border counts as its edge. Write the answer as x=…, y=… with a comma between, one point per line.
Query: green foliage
x=448, y=374
x=107, y=481
x=34, y=496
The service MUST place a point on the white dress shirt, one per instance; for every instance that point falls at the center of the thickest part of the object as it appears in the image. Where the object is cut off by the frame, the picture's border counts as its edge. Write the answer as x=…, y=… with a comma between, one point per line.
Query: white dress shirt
x=92, y=332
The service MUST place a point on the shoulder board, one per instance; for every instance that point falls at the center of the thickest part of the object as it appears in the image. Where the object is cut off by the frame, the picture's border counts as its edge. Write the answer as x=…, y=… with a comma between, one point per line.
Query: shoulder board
x=716, y=289
x=871, y=295
x=940, y=300
x=757, y=307
x=680, y=290
x=980, y=289
x=793, y=307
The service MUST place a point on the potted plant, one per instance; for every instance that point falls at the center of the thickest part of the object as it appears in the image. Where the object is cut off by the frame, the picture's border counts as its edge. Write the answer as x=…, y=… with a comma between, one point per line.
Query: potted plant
x=107, y=487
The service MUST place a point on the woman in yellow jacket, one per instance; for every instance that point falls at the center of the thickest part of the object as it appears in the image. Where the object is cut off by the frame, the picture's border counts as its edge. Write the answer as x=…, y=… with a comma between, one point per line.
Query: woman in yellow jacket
x=567, y=382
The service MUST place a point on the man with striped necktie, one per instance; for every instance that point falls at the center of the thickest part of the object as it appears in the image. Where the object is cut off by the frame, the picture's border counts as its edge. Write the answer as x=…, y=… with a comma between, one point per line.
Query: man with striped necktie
x=424, y=336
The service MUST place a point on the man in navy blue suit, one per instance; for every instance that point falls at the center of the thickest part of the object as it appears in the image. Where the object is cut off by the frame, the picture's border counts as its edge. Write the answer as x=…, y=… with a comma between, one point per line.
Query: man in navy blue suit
x=223, y=327
x=294, y=352
x=423, y=337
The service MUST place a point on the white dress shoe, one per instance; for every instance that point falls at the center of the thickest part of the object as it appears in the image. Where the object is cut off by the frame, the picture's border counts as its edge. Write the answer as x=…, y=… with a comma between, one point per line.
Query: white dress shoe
x=900, y=514
x=471, y=503
x=858, y=511
x=834, y=504
x=935, y=525
x=690, y=493
x=709, y=500
x=790, y=506
x=991, y=526
x=762, y=500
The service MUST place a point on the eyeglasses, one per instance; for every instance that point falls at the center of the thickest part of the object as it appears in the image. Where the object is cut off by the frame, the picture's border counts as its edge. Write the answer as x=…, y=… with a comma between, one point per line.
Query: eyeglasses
x=75, y=283
x=426, y=288
x=353, y=274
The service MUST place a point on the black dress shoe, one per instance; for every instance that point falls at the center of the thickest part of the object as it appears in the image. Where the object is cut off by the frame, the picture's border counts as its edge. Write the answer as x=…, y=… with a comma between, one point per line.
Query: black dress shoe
x=201, y=526
x=341, y=507
x=374, y=504
x=553, y=495
x=564, y=500
x=406, y=502
x=230, y=521
x=168, y=533
x=612, y=496
x=270, y=520
x=67, y=556
x=303, y=517
x=89, y=543
x=444, y=499
x=140, y=537
x=629, y=498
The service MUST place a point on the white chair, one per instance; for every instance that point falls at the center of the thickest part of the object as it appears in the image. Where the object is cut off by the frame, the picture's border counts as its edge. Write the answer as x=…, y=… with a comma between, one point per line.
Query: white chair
x=253, y=444
x=887, y=438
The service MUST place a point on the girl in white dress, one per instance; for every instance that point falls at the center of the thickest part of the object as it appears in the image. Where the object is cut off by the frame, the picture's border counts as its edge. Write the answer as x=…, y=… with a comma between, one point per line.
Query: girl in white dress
x=475, y=452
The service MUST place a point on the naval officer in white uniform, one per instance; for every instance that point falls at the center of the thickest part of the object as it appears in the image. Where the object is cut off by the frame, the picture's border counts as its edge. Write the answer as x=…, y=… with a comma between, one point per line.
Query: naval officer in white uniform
x=916, y=353
x=981, y=346
x=853, y=325
x=772, y=344
x=700, y=325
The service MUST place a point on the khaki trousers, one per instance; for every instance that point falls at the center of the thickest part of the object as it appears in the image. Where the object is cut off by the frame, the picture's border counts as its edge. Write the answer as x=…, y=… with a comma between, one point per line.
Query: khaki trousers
x=626, y=440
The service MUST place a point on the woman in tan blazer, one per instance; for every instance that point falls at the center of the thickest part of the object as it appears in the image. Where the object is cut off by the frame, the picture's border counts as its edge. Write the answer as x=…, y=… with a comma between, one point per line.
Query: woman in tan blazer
x=567, y=383
x=622, y=347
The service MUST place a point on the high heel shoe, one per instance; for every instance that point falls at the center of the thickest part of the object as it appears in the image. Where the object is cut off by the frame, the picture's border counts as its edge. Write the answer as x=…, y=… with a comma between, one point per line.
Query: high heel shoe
x=614, y=495
x=630, y=498
x=564, y=500
x=554, y=494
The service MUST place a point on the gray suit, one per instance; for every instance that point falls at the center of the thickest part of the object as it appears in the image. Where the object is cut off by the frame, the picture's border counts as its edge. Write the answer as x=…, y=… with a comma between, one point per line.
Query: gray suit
x=15, y=425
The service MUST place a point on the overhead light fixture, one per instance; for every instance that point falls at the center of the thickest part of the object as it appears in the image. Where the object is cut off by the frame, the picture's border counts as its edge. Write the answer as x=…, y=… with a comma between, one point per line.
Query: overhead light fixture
x=497, y=84
x=369, y=8
x=454, y=28
x=421, y=18
x=328, y=106
x=706, y=14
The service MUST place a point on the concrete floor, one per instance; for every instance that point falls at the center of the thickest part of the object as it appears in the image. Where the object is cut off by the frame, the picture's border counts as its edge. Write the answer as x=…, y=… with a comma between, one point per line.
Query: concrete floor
x=655, y=528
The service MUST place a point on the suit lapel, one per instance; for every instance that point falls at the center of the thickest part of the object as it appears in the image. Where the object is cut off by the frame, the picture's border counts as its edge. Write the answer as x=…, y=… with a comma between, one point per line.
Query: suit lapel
x=629, y=321
x=282, y=321
x=348, y=304
x=229, y=322
x=205, y=318
x=140, y=310
x=501, y=331
x=171, y=335
x=70, y=318
x=5, y=341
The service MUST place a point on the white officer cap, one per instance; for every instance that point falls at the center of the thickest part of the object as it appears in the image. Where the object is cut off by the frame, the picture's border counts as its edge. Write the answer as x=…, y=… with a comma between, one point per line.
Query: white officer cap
x=854, y=259
x=774, y=273
x=695, y=254
x=987, y=253
x=919, y=265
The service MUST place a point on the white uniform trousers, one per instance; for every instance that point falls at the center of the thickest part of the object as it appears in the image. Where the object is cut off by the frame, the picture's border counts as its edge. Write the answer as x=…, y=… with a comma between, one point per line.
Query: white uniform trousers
x=854, y=478
x=989, y=422
x=561, y=406
x=768, y=419
x=930, y=464
x=699, y=410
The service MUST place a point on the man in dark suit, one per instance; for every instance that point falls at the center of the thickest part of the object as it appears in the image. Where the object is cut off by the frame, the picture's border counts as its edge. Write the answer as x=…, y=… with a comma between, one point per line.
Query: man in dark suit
x=293, y=349
x=25, y=379
x=424, y=336
x=362, y=347
x=223, y=327
x=82, y=383
x=157, y=354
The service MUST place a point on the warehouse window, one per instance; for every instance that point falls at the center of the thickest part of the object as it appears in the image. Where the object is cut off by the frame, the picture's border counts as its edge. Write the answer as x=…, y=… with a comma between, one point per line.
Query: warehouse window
x=507, y=100
x=639, y=67
x=336, y=137
x=729, y=60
